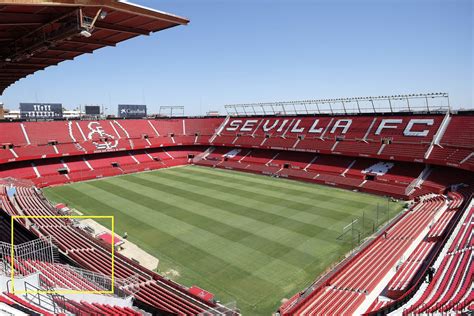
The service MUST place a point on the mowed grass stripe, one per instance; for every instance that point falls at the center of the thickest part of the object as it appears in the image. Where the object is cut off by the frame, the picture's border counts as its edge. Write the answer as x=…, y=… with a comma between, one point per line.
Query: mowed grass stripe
x=321, y=238
x=226, y=225
x=260, y=192
x=194, y=230
x=291, y=187
x=247, y=181
x=258, y=213
x=220, y=211
x=342, y=211
x=220, y=272
x=268, y=238
x=264, y=202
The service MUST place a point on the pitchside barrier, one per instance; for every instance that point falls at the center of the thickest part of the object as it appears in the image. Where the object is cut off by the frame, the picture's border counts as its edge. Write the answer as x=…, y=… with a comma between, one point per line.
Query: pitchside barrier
x=221, y=310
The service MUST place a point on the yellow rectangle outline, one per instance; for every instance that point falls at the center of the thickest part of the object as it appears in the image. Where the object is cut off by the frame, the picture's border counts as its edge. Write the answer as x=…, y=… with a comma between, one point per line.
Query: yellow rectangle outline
x=60, y=292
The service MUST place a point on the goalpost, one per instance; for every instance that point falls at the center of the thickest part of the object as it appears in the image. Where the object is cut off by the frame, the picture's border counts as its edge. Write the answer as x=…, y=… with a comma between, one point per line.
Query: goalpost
x=366, y=224
x=349, y=228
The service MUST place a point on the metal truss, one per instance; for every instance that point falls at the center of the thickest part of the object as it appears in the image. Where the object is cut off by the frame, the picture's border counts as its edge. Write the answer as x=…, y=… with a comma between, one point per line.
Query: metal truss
x=429, y=102
x=171, y=111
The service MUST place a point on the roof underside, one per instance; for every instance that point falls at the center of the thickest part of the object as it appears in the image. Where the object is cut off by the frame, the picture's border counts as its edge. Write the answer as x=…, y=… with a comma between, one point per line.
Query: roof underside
x=35, y=34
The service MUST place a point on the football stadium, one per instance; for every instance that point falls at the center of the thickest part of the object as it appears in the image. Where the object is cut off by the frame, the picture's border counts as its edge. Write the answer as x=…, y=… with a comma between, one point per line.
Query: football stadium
x=343, y=206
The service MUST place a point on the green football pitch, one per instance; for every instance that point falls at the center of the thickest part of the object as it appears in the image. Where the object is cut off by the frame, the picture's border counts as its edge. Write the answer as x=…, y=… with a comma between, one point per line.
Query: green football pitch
x=246, y=238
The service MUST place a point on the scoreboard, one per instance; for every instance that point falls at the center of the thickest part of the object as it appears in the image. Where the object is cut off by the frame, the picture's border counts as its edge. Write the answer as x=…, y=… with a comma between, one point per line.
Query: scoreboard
x=33, y=111
x=92, y=110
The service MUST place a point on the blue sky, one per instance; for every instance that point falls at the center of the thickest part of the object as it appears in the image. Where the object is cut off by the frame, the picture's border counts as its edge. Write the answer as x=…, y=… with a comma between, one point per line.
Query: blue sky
x=263, y=50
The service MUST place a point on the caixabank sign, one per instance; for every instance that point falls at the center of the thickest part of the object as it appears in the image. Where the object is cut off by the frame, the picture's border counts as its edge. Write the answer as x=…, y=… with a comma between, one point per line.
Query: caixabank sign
x=131, y=111
x=33, y=111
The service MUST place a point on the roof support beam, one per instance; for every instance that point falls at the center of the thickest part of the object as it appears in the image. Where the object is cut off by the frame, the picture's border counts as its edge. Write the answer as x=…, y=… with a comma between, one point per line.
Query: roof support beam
x=13, y=18
x=25, y=64
x=39, y=39
x=89, y=41
x=14, y=71
x=9, y=80
x=18, y=68
x=71, y=50
x=3, y=23
x=4, y=36
x=8, y=75
x=120, y=28
x=55, y=59
x=4, y=81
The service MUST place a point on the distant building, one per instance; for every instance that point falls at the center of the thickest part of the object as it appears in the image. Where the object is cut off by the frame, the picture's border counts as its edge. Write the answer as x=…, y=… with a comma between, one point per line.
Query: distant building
x=72, y=114
x=11, y=114
x=212, y=113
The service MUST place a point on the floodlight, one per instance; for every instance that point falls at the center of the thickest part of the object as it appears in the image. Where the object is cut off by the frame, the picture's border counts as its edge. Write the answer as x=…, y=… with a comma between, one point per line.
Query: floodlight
x=103, y=15
x=85, y=33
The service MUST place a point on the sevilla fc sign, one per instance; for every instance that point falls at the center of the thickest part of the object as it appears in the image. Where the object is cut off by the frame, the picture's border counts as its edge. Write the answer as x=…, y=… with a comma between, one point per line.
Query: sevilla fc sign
x=407, y=126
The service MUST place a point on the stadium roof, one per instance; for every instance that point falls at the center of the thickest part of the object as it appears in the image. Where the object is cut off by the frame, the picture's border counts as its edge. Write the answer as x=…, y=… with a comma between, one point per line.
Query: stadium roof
x=35, y=34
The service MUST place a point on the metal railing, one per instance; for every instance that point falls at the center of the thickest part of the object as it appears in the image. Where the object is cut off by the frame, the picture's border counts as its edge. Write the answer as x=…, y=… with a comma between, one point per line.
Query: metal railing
x=427, y=102
x=35, y=250
x=46, y=301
